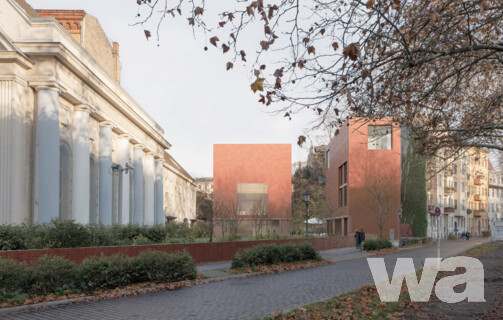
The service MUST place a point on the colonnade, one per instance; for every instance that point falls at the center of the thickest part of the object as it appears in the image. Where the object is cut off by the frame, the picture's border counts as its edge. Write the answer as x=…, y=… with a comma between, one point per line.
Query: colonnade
x=145, y=170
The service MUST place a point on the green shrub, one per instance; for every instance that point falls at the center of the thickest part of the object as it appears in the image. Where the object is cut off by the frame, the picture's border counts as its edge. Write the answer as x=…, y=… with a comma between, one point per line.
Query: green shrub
x=157, y=266
x=452, y=237
x=141, y=240
x=102, y=272
x=178, y=231
x=66, y=234
x=69, y=234
x=124, y=234
x=99, y=235
x=50, y=273
x=227, y=238
x=11, y=277
x=376, y=244
x=427, y=240
x=54, y=274
x=12, y=238
x=201, y=229
x=268, y=254
x=156, y=233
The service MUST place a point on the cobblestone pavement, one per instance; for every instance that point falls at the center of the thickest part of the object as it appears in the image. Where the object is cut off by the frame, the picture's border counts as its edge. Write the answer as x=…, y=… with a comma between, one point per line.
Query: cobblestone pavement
x=240, y=298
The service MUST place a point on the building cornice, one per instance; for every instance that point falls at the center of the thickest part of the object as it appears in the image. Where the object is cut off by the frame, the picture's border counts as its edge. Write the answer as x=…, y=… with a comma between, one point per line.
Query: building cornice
x=178, y=173
x=113, y=93
x=80, y=62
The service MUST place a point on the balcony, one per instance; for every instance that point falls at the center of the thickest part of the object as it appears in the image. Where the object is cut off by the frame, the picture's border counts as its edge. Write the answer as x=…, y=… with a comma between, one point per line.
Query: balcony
x=478, y=182
x=449, y=209
x=479, y=213
x=479, y=197
x=449, y=190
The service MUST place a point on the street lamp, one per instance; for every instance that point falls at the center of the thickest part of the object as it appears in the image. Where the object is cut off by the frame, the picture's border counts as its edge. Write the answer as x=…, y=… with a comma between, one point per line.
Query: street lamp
x=307, y=196
x=399, y=227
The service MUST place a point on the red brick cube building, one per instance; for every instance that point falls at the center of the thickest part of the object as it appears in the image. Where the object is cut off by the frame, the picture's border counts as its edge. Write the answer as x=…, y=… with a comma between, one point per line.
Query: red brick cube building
x=252, y=184
x=363, y=178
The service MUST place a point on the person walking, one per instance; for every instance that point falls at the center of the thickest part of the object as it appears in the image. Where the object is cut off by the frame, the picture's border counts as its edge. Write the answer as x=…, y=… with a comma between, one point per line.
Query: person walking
x=357, y=239
x=362, y=236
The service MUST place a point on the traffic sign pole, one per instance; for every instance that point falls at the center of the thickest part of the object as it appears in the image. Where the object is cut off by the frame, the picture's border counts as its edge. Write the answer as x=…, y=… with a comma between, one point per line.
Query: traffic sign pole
x=438, y=213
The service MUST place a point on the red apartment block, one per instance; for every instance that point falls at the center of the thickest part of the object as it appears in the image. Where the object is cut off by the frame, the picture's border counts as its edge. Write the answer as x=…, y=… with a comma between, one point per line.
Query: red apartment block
x=256, y=180
x=363, y=169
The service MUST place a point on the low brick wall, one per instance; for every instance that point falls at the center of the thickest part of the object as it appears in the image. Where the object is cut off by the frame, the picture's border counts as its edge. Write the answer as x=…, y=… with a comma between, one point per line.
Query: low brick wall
x=201, y=252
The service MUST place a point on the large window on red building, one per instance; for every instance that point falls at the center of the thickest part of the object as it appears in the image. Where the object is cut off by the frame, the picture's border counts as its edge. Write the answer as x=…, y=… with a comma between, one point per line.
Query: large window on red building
x=252, y=199
x=343, y=185
x=379, y=137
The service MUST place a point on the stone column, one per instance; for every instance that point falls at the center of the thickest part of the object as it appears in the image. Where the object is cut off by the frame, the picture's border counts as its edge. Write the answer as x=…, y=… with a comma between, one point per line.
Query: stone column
x=15, y=149
x=159, y=193
x=123, y=159
x=148, y=171
x=138, y=184
x=47, y=158
x=81, y=164
x=105, y=159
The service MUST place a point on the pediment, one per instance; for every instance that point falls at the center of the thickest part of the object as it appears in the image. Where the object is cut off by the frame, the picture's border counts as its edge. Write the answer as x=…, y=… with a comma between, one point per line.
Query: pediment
x=6, y=44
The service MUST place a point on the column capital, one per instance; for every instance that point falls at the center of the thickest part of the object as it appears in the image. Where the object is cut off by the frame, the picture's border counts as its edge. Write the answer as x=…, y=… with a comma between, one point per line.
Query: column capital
x=139, y=146
x=124, y=136
x=82, y=108
x=47, y=85
x=106, y=123
x=38, y=88
x=149, y=154
x=159, y=160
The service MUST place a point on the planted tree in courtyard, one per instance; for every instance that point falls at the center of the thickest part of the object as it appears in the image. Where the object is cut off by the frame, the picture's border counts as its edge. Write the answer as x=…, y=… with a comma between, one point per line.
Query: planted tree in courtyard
x=435, y=66
x=259, y=217
x=378, y=198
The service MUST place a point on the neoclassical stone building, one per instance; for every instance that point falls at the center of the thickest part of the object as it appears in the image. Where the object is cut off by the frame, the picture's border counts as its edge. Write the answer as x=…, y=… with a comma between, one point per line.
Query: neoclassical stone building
x=73, y=143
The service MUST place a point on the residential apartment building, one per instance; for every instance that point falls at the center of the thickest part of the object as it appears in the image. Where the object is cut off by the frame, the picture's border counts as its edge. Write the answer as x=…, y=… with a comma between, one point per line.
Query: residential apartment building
x=495, y=199
x=363, y=178
x=459, y=187
x=447, y=187
x=495, y=203
x=255, y=180
x=74, y=144
x=205, y=186
x=478, y=190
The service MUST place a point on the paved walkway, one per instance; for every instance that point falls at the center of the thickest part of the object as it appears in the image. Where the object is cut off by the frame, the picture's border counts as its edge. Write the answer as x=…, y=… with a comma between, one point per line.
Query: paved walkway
x=241, y=298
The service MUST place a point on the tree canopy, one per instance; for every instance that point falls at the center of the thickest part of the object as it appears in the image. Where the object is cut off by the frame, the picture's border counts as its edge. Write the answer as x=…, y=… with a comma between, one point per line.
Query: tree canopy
x=434, y=66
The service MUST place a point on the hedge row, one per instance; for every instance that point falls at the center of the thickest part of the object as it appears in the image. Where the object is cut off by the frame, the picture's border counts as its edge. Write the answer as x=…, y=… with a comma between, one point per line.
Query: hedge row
x=376, y=244
x=54, y=274
x=68, y=234
x=268, y=254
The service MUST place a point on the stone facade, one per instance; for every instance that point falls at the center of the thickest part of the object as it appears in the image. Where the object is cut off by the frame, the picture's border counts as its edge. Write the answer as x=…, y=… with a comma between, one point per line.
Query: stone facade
x=74, y=144
x=179, y=192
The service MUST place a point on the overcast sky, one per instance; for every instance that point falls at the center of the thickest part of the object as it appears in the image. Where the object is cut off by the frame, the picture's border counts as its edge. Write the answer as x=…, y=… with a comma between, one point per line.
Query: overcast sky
x=186, y=89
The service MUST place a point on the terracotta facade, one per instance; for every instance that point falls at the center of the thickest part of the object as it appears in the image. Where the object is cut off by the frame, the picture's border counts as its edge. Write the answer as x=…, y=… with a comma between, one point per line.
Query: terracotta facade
x=367, y=170
x=269, y=164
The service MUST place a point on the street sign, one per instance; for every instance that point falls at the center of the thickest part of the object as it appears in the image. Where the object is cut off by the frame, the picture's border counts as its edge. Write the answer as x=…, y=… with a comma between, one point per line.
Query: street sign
x=437, y=212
